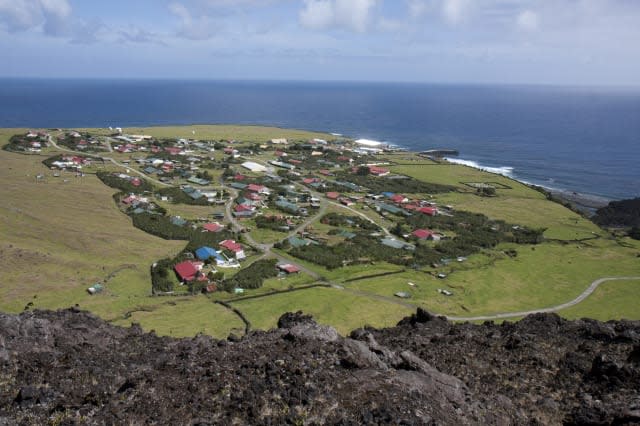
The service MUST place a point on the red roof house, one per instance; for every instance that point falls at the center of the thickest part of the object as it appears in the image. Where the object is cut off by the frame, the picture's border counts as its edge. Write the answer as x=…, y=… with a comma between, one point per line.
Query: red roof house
x=430, y=211
x=239, y=177
x=244, y=208
x=289, y=268
x=422, y=234
x=130, y=199
x=173, y=150
x=234, y=247
x=333, y=195
x=136, y=181
x=260, y=189
x=187, y=271
x=399, y=199
x=212, y=227
x=378, y=171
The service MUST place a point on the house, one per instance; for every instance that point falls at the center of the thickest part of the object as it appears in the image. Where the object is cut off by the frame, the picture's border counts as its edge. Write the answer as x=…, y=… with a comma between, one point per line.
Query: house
x=299, y=242
x=399, y=199
x=254, y=167
x=287, y=206
x=288, y=268
x=332, y=195
x=238, y=185
x=429, y=211
x=198, y=181
x=239, y=177
x=309, y=181
x=390, y=242
x=150, y=170
x=422, y=234
x=234, y=247
x=129, y=200
x=346, y=201
x=186, y=271
x=278, y=141
x=346, y=234
x=244, y=208
x=204, y=253
x=260, y=189
x=178, y=221
x=282, y=165
x=389, y=208
x=252, y=196
x=212, y=227
x=378, y=171
x=173, y=150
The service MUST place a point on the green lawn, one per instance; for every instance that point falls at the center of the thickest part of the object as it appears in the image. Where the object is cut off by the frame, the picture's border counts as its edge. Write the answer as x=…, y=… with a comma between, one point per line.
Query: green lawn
x=338, y=308
x=186, y=317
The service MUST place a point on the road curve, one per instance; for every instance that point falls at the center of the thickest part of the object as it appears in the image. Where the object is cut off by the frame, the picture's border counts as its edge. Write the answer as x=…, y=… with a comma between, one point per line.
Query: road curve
x=594, y=285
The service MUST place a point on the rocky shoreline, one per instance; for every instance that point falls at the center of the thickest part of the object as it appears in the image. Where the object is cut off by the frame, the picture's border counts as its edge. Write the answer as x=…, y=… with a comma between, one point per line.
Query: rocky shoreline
x=70, y=367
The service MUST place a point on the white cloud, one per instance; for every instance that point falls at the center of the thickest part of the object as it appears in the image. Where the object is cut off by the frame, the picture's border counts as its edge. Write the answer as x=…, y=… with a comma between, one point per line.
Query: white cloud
x=22, y=15
x=455, y=11
x=190, y=27
x=352, y=15
x=417, y=8
x=527, y=20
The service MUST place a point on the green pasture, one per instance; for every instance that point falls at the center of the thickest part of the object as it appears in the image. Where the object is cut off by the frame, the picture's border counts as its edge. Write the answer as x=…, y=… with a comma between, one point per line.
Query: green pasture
x=338, y=308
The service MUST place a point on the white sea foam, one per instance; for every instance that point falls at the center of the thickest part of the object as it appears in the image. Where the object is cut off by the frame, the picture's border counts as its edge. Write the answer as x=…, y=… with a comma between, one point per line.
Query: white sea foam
x=504, y=171
x=368, y=142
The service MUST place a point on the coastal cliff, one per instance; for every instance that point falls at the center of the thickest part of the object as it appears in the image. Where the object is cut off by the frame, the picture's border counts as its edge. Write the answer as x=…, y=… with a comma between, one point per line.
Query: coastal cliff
x=69, y=367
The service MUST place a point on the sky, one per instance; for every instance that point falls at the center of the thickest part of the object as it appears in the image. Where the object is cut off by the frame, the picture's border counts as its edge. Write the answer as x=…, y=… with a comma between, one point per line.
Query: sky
x=575, y=42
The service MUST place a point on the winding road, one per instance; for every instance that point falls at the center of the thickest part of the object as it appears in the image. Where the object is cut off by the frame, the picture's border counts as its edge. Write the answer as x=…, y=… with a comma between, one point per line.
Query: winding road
x=594, y=285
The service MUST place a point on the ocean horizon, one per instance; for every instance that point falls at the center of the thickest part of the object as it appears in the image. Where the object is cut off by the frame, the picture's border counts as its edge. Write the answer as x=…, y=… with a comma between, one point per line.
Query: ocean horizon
x=575, y=139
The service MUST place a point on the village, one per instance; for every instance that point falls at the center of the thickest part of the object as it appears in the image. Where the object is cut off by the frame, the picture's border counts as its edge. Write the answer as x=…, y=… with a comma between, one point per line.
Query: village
x=268, y=209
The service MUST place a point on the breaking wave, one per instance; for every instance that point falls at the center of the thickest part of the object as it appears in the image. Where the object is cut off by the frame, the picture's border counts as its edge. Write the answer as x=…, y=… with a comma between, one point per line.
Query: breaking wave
x=504, y=171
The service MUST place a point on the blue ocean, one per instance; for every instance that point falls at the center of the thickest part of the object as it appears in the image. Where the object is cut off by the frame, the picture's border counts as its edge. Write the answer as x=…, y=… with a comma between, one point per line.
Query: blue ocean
x=576, y=139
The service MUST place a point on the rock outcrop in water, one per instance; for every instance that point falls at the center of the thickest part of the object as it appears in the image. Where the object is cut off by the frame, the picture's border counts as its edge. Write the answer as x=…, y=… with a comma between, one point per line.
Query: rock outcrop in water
x=69, y=367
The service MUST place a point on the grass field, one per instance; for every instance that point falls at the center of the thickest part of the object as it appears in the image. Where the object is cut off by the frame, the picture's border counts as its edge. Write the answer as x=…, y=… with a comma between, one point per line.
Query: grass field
x=338, y=308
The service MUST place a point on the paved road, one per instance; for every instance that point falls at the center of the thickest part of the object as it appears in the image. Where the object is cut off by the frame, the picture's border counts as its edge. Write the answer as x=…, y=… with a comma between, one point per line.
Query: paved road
x=594, y=285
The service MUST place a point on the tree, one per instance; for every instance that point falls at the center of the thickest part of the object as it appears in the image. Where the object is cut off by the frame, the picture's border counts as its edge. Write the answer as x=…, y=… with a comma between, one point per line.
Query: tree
x=363, y=171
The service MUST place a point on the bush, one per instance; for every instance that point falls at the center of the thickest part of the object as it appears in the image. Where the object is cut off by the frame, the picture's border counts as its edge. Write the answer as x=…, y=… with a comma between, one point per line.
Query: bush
x=253, y=276
x=161, y=226
x=160, y=280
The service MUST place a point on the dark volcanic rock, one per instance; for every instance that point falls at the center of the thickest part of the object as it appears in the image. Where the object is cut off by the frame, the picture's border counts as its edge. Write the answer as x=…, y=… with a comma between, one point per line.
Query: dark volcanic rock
x=69, y=367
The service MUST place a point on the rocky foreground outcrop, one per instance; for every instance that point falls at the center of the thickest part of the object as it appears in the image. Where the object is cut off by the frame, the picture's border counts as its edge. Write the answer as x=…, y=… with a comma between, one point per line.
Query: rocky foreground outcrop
x=69, y=367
